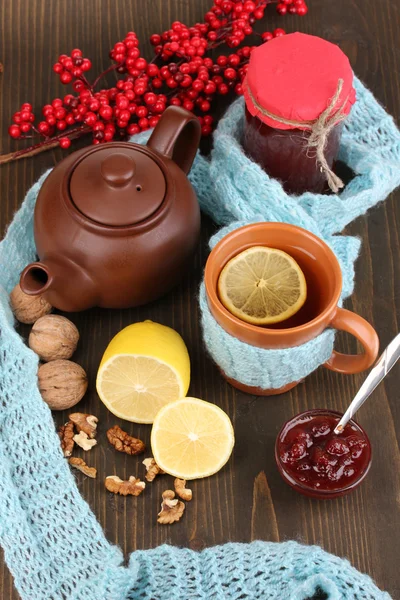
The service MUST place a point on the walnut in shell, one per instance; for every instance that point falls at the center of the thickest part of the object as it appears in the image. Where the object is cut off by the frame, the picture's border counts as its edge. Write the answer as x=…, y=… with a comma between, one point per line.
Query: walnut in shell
x=28, y=309
x=79, y=463
x=132, y=487
x=171, y=508
x=123, y=442
x=53, y=337
x=62, y=383
x=85, y=423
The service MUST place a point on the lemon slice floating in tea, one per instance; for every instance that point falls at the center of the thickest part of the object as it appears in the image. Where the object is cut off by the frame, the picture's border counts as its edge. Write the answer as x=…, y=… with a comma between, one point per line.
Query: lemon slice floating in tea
x=145, y=366
x=262, y=286
x=191, y=438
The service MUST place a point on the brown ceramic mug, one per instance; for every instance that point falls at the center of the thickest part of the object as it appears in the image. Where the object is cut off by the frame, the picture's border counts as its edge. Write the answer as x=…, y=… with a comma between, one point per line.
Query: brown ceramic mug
x=320, y=311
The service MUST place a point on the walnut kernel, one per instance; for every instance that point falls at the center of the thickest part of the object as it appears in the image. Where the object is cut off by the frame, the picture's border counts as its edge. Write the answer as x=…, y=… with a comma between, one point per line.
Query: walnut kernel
x=66, y=434
x=62, y=383
x=172, y=509
x=83, y=441
x=28, y=309
x=132, y=487
x=181, y=490
x=53, y=337
x=85, y=423
x=152, y=469
x=79, y=463
x=123, y=442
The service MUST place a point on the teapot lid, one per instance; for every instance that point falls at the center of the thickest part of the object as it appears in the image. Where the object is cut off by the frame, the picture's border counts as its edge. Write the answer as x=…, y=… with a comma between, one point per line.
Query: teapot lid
x=117, y=185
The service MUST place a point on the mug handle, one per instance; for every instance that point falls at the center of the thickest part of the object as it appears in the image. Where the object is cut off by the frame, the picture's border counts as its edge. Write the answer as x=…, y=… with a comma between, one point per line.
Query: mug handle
x=177, y=136
x=345, y=320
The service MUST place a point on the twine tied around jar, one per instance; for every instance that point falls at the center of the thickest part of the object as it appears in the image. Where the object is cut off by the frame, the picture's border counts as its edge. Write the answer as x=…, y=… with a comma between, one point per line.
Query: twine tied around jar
x=320, y=129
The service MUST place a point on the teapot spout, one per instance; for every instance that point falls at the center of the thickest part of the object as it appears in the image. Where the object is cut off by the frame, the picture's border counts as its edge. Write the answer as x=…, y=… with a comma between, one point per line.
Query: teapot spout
x=36, y=279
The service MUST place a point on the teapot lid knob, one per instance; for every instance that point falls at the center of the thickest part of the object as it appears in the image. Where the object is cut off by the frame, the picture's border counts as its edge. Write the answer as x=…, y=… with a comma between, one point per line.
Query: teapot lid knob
x=117, y=169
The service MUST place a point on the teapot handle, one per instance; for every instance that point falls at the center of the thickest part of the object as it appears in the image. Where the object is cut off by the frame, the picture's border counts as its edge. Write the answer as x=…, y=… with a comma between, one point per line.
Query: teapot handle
x=177, y=136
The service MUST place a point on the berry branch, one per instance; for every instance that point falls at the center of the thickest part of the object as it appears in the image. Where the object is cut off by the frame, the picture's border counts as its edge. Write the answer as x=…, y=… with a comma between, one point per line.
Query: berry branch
x=181, y=74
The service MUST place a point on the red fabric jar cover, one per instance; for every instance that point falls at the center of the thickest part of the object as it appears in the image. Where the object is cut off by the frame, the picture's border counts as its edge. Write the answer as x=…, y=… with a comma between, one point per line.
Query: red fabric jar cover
x=295, y=77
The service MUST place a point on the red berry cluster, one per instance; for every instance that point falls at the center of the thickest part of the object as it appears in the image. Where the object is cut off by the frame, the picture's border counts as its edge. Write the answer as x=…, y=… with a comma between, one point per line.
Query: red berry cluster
x=180, y=74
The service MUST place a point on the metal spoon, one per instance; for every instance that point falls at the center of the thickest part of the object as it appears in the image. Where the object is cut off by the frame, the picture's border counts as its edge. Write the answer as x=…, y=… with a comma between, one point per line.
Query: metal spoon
x=382, y=367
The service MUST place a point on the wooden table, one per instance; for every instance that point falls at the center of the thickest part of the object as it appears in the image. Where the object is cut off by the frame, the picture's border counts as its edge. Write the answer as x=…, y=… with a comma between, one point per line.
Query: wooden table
x=247, y=500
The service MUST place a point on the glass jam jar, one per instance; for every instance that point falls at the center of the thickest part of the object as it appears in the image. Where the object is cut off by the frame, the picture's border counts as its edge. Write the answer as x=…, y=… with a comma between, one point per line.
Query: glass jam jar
x=315, y=461
x=298, y=90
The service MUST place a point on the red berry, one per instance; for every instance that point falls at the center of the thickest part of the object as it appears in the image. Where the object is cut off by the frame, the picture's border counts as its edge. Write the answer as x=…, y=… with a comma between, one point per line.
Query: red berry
x=76, y=53
x=188, y=104
x=26, y=106
x=223, y=88
x=86, y=65
x=155, y=39
x=25, y=127
x=67, y=78
x=133, y=128
x=90, y=119
x=267, y=36
x=279, y=32
x=141, y=63
x=106, y=112
x=259, y=13
x=210, y=88
x=43, y=127
x=61, y=125
x=239, y=89
x=230, y=73
x=205, y=106
x=65, y=143
x=60, y=113
x=150, y=98
x=249, y=6
x=281, y=8
x=143, y=123
x=222, y=61
x=25, y=115
x=152, y=70
x=124, y=116
x=154, y=120
x=70, y=119
x=198, y=85
x=142, y=111
x=302, y=10
x=58, y=68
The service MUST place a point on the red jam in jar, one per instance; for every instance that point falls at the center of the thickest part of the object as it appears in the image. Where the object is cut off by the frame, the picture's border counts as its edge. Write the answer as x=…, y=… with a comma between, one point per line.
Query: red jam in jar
x=291, y=81
x=317, y=462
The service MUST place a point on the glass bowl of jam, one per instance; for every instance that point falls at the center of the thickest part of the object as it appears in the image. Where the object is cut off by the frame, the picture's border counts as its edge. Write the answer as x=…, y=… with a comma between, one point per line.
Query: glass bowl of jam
x=315, y=461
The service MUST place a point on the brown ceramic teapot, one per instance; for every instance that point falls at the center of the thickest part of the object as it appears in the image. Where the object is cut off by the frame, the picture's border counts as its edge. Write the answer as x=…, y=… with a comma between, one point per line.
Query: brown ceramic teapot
x=116, y=225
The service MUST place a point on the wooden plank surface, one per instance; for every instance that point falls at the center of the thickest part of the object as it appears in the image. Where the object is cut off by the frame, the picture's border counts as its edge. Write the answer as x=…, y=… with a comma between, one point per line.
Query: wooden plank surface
x=247, y=500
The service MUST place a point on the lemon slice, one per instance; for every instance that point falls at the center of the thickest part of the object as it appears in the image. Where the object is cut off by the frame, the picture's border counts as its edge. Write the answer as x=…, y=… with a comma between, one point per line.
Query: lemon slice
x=191, y=438
x=262, y=286
x=145, y=366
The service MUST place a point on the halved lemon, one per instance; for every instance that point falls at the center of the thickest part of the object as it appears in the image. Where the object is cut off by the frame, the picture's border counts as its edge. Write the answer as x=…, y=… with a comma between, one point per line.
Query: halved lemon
x=192, y=438
x=145, y=366
x=262, y=286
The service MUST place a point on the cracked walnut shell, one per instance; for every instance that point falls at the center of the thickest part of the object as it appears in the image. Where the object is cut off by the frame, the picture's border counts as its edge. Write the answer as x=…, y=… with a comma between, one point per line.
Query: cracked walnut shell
x=53, y=337
x=123, y=442
x=152, y=469
x=172, y=509
x=62, y=383
x=28, y=309
x=66, y=435
x=79, y=463
x=85, y=423
x=132, y=487
x=181, y=490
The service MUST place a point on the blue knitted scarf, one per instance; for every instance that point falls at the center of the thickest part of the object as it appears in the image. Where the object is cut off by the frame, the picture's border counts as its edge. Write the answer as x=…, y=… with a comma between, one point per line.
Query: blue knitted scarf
x=53, y=544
